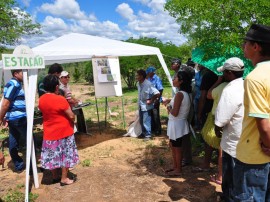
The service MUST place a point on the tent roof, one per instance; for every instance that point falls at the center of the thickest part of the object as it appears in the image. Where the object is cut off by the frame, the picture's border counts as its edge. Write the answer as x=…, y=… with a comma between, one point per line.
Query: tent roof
x=81, y=47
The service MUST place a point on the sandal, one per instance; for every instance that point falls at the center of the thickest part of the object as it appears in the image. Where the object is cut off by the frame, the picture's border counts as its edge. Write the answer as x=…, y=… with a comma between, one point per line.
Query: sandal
x=215, y=180
x=64, y=183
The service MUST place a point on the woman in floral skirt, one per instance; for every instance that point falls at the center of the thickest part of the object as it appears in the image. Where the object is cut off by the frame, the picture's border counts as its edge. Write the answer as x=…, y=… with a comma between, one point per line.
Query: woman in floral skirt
x=58, y=148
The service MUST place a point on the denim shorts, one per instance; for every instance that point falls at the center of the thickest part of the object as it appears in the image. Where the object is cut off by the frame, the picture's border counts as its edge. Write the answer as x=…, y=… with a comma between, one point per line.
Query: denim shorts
x=251, y=182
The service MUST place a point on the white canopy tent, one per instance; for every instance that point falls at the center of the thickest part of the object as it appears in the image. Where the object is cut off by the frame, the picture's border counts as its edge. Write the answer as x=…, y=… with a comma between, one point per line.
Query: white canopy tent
x=81, y=47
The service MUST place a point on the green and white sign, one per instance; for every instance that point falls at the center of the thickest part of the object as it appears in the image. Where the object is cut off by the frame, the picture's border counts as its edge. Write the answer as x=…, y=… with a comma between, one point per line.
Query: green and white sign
x=23, y=61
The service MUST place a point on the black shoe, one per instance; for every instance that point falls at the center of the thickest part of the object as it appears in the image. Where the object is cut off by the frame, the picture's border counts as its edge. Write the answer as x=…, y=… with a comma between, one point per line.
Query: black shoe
x=141, y=136
x=158, y=133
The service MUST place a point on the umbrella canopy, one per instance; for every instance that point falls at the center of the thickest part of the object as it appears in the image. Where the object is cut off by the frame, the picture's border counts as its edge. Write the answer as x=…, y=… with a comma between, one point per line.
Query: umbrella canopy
x=204, y=55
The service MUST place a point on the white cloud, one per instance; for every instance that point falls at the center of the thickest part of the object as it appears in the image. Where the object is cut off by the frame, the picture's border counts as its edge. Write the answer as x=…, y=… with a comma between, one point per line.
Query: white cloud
x=53, y=25
x=157, y=5
x=26, y=2
x=144, y=2
x=64, y=8
x=66, y=16
x=125, y=11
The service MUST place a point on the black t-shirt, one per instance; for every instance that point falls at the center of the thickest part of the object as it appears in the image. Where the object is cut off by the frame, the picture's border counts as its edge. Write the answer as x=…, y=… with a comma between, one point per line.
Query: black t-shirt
x=208, y=81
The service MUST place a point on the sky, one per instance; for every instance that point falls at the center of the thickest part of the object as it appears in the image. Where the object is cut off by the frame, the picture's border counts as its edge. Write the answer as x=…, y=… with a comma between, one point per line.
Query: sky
x=114, y=19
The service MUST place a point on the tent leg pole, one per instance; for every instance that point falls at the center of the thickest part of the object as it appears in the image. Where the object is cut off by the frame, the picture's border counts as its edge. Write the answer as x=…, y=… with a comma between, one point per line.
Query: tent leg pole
x=123, y=113
x=98, y=116
x=106, y=109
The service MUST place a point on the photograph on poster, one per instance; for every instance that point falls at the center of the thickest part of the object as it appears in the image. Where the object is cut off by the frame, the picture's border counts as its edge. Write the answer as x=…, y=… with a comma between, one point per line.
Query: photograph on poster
x=111, y=77
x=102, y=62
x=106, y=70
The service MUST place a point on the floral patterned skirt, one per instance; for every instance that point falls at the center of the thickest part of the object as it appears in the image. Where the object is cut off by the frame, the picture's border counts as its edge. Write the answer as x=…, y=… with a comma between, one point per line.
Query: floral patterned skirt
x=59, y=153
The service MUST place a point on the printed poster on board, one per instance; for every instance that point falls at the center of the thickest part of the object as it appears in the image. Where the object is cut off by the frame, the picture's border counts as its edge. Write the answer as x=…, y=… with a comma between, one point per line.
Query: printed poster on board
x=104, y=71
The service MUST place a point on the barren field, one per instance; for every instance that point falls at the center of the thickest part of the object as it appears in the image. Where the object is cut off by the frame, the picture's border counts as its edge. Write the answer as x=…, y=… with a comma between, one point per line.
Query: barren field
x=117, y=168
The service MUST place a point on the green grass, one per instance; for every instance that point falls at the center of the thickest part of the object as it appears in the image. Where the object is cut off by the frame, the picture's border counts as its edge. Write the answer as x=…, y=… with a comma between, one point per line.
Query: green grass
x=86, y=163
x=17, y=196
x=129, y=99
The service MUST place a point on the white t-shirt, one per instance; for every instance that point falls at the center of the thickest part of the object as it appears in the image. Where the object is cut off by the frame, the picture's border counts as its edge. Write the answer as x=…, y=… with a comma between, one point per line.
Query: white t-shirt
x=229, y=114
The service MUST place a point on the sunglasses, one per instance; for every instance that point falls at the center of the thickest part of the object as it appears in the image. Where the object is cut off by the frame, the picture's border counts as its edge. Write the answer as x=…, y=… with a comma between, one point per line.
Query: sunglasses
x=65, y=77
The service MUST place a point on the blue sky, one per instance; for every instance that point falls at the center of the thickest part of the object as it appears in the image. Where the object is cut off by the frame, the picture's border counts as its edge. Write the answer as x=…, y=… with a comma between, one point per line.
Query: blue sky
x=115, y=19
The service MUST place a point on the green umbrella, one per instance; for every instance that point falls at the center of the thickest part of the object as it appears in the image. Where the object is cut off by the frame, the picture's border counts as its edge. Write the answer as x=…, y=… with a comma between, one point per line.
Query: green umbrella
x=213, y=56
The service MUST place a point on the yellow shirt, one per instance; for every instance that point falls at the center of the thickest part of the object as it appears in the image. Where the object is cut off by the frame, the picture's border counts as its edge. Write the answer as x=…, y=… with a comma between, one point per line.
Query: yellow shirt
x=216, y=94
x=257, y=105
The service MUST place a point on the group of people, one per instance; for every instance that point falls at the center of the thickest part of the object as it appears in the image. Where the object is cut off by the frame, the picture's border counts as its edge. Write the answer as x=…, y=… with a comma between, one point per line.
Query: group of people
x=59, y=151
x=231, y=113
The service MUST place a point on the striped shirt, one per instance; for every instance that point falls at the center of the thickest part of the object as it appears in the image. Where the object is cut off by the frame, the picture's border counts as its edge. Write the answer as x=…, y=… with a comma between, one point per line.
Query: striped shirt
x=14, y=92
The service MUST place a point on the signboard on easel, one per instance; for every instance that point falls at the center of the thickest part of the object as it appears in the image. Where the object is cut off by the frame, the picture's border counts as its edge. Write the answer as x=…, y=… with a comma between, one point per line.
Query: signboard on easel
x=107, y=79
x=23, y=58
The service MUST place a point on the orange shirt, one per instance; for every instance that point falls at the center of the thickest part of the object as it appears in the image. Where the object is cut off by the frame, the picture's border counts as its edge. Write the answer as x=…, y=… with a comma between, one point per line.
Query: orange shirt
x=56, y=124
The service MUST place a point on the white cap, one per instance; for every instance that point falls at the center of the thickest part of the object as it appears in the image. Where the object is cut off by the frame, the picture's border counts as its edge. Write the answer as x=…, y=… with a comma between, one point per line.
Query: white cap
x=232, y=64
x=63, y=73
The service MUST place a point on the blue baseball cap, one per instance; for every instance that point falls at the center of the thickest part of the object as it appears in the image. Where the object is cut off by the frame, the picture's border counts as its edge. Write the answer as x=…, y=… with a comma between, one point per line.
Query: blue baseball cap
x=150, y=69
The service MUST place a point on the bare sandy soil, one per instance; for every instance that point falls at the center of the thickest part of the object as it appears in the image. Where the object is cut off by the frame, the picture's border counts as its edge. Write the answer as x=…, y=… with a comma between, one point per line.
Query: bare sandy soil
x=117, y=168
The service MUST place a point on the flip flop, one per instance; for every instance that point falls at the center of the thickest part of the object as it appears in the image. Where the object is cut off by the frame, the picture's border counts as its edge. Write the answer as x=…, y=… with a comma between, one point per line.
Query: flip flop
x=215, y=180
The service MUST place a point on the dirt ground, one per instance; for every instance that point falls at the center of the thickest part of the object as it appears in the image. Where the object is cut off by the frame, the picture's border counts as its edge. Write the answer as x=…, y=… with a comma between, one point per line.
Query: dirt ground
x=117, y=168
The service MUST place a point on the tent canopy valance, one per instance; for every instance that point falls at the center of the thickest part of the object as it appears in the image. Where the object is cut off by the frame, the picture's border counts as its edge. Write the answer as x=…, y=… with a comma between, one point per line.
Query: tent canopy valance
x=81, y=47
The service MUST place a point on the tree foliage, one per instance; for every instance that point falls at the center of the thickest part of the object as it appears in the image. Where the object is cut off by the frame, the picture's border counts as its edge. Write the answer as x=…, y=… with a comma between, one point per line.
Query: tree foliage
x=129, y=65
x=88, y=72
x=14, y=23
x=223, y=21
x=77, y=75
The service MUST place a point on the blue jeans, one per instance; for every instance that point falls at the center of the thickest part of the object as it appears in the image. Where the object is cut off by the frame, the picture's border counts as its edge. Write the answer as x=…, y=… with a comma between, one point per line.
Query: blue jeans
x=17, y=135
x=145, y=121
x=228, y=164
x=251, y=182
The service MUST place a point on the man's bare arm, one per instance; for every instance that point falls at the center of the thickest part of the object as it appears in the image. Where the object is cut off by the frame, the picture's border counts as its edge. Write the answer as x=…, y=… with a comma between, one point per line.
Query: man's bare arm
x=4, y=108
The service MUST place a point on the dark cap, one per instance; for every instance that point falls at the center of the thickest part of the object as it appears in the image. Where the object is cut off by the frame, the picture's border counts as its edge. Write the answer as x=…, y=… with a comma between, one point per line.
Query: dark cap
x=177, y=61
x=190, y=63
x=188, y=69
x=259, y=33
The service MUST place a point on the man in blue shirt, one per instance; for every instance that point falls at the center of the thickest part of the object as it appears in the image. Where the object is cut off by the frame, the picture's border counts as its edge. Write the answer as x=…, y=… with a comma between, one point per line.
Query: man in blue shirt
x=157, y=83
x=13, y=111
x=147, y=95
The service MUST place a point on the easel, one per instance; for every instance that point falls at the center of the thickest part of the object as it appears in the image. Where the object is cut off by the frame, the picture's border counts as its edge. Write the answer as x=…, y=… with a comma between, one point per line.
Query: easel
x=107, y=109
x=104, y=86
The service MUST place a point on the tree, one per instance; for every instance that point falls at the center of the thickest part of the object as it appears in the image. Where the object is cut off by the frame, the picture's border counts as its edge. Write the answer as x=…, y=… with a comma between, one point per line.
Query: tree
x=14, y=23
x=76, y=75
x=224, y=21
x=88, y=72
x=129, y=65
